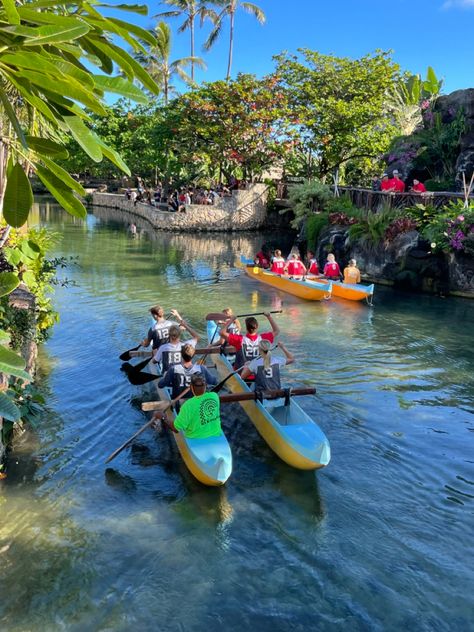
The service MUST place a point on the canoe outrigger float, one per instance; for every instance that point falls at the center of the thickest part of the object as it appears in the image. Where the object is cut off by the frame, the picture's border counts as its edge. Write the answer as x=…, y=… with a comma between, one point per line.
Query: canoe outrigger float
x=208, y=460
x=349, y=291
x=303, y=289
x=287, y=429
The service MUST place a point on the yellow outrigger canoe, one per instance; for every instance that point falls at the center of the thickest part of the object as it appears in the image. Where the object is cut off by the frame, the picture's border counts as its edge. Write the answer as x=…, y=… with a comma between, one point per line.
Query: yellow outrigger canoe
x=287, y=429
x=308, y=290
x=208, y=460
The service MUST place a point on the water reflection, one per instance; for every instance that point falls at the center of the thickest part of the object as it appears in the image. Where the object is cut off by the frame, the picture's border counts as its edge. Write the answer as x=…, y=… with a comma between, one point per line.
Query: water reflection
x=276, y=548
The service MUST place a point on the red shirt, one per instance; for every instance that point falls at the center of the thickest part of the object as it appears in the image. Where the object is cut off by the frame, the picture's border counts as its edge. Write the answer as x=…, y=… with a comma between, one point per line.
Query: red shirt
x=385, y=185
x=235, y=340
x=313, y=266
x=278, y=265
x=261, y=260
x=419, y=188
x=332, y=270
x=397, y=185
x=296, y=267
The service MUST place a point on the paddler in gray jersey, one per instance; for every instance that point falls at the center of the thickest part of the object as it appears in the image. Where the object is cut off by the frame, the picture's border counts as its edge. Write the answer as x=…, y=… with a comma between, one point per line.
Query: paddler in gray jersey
x=159, y=333
x=178, y=376
x=266, y=367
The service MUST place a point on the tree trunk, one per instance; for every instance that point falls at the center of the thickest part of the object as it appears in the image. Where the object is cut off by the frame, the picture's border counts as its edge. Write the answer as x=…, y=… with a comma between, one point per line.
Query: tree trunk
x=192, y=47
x=231, y=45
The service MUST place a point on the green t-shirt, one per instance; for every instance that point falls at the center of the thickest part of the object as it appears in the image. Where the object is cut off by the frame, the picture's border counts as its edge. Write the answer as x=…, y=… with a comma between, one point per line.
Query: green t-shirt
x=199, y=417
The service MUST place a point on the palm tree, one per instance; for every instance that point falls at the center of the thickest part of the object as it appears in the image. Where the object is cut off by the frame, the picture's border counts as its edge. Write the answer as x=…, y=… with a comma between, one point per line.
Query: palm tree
x=229, y=8
x=190, y=9
x=158, y=65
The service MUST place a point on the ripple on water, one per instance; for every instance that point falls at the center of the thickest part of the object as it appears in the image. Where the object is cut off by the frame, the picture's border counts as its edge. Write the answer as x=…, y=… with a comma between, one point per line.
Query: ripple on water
x=376, y=541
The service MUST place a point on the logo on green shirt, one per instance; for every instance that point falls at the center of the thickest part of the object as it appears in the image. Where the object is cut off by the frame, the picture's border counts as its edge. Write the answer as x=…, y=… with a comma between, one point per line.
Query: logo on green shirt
x=208, y=411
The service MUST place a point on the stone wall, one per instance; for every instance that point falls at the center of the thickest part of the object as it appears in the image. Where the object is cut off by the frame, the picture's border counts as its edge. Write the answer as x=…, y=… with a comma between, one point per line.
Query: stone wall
x=244, y=210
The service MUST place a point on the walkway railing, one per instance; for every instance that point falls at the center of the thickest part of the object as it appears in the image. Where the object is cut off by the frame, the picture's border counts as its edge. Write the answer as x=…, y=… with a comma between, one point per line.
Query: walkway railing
x=375, y=200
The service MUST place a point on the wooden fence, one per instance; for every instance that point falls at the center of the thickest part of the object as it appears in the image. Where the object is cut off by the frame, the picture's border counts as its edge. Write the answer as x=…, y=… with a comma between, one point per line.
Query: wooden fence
x=376, y=200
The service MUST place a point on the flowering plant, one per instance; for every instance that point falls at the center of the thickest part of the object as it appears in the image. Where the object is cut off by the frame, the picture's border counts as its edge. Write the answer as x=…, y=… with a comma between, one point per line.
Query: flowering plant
x=452, y=230
x=341, y=219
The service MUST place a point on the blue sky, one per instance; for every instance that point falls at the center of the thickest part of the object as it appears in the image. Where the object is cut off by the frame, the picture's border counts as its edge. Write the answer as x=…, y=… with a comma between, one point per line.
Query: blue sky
x=420, y=33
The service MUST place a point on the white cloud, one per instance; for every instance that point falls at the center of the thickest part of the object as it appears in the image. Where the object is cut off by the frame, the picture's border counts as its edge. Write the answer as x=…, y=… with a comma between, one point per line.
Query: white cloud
x=460, y=4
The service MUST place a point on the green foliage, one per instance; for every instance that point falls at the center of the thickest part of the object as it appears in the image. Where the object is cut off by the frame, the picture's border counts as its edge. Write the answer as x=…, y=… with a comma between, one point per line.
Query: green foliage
x=422, y=214
x=452, y=229
x=314, y=226
x=234, y=127
x=370, y=229
x=307, y=199
x=341, y=204
x=27, y=254
x=439, y=185
x=45, y=89
x=336, y=105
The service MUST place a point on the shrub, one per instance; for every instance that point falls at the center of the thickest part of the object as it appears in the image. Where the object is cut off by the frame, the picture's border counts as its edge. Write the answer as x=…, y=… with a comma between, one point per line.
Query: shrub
x=452, y=229
x=399, y=226
x=440, y=185
x=341, y=219
x=370, y=229
x=308, y=198
x=315, y=225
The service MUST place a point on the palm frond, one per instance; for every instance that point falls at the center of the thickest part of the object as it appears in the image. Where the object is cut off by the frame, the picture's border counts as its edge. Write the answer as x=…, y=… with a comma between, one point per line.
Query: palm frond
x=216, y=31
x=185, y=25
x=254, y=10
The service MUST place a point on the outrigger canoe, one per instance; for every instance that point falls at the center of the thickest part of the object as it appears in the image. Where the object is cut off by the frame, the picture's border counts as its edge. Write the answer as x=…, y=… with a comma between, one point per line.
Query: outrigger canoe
x=303, y=289
x=208, y=460
x=288, y=430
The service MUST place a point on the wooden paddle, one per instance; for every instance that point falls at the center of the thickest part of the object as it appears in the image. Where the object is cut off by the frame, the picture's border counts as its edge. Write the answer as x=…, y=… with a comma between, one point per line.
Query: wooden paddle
x=222, y=316
x=240, y=397
x=160, y=407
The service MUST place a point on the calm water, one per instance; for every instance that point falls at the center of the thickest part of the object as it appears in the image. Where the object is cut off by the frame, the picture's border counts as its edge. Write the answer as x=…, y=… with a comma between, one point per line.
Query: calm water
x=382, y=539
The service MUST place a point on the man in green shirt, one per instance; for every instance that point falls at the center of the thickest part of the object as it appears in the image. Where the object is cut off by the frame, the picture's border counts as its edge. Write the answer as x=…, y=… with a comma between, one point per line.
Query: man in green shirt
x=199, y=417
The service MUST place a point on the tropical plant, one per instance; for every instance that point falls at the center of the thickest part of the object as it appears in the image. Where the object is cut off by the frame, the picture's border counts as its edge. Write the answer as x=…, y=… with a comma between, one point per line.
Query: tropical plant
x=157, y=62
x=45, y=88
x=452, y=229
x=370, y=230
x=228, y=10
x=231, y=128
x=307, y=199
x=190, y=10
x=399, y=226
x=409, y=96
x=314, y=225
x=337, y=106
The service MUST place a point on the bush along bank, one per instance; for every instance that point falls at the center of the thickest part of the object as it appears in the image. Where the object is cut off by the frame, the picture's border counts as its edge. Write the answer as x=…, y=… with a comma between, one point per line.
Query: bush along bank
x=27, y=279
x=418, y=248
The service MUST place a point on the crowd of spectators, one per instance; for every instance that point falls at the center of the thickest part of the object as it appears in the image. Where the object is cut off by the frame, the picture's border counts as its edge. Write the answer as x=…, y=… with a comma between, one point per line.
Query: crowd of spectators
x=395, y=184
x=178, y=199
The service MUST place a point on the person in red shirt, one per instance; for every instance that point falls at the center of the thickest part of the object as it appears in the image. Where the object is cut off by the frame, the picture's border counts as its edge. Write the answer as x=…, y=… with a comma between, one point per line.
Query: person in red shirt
x=418, y=187
x=385, y=185
x=331, y=269
x=396, y=184
x=246, y=345
x=262, y=258
x=295, y=267
x=313, y=267
x=278, y=263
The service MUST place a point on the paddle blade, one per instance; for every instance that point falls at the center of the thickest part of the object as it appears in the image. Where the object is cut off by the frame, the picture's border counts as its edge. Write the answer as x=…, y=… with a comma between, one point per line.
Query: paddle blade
x=126, y=354
x=217, y=316
x=159, y=406
x=139, y=378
